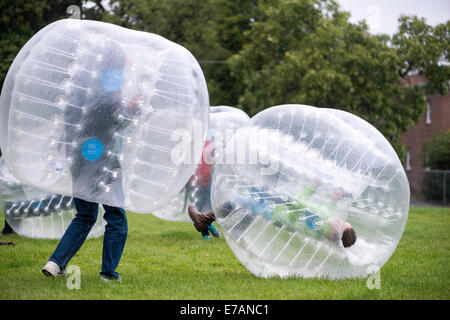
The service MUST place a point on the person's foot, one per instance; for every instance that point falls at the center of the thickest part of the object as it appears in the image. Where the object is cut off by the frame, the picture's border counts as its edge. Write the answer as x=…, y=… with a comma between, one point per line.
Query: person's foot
x=7, y=229
x=202, y=221
x=107, y=278
x=51, y=269
x=214, y=231
x=205, y=235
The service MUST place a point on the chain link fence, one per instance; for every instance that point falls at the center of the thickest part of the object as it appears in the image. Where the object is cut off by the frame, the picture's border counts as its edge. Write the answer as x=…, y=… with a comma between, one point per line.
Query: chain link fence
x=430, y=187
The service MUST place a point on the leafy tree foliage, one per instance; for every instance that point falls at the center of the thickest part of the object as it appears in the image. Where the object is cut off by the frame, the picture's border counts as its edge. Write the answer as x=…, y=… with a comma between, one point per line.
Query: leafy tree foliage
x=20, y=20
x=437, y=151
x=260, y=53
x=210, y=29
x=422, y=48
x=308, y=52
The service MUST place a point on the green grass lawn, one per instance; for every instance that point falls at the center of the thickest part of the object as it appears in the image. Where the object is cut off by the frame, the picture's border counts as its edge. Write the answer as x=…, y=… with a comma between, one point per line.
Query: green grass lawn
x=168, y=260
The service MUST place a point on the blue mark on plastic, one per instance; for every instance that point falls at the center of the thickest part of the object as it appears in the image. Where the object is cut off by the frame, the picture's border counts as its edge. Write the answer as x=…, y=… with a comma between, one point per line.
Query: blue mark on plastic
x=112, y=80
x=312, y=220
x=92, y=149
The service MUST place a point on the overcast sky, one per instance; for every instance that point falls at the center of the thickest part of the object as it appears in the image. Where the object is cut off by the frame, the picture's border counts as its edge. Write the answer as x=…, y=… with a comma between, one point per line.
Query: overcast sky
x=382, y=15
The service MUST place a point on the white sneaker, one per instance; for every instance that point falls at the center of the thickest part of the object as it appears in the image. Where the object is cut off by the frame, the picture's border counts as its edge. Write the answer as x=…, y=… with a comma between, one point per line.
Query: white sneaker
x=108, y=278
x=51, y=269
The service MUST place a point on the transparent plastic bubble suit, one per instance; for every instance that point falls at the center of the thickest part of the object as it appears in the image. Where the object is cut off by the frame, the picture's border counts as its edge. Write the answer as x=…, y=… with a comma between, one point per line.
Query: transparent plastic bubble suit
x=34, y=213
x=304, y=172
x=107, y=114
x=223, y=122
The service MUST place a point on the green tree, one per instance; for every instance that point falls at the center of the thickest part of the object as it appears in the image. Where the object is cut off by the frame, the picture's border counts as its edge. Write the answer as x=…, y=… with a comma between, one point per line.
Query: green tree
x=308, y=52
x=190, y=23
x=276, y=52
x=233, y=19
x=212, y=30
x=422, y=49
x=21, y=19
x=437, y=151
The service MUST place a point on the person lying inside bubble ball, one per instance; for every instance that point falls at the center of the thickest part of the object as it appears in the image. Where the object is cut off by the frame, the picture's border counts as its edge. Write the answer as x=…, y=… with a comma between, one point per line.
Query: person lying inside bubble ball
x=297, y=214
x=309, y=217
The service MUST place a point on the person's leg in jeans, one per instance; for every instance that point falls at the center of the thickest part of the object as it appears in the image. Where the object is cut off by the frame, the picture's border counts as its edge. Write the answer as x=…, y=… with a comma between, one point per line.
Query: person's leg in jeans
x=114, y=240
x=76, y=233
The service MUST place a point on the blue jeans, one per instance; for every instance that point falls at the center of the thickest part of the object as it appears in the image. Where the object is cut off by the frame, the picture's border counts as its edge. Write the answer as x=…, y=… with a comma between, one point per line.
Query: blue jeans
x=113, y=241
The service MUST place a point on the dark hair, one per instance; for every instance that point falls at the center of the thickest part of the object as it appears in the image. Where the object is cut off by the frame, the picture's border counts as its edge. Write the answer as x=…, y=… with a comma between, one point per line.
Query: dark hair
x=348, y=237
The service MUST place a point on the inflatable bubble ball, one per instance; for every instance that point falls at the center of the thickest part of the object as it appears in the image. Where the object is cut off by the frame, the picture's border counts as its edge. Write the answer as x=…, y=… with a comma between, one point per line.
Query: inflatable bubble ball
x=316, y=193
x=33, y=213
x=103, y=113
x=223, y=122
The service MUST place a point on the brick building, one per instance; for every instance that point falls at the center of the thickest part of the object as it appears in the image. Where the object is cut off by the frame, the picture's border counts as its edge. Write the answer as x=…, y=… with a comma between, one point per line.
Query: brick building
x=436, y=118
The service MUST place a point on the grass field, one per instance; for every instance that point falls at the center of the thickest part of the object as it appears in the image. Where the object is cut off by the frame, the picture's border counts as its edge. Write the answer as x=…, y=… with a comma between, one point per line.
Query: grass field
x=167, y=260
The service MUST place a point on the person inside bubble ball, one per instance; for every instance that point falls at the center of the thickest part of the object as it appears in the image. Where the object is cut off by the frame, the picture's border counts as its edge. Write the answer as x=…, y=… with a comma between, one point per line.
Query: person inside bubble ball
x=314, y=219
x=297, y=214
x=95, y=103
x=198, y=190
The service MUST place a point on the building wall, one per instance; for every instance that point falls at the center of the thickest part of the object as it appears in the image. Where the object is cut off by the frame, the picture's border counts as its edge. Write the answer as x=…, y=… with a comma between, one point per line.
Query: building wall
x=419, y=134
